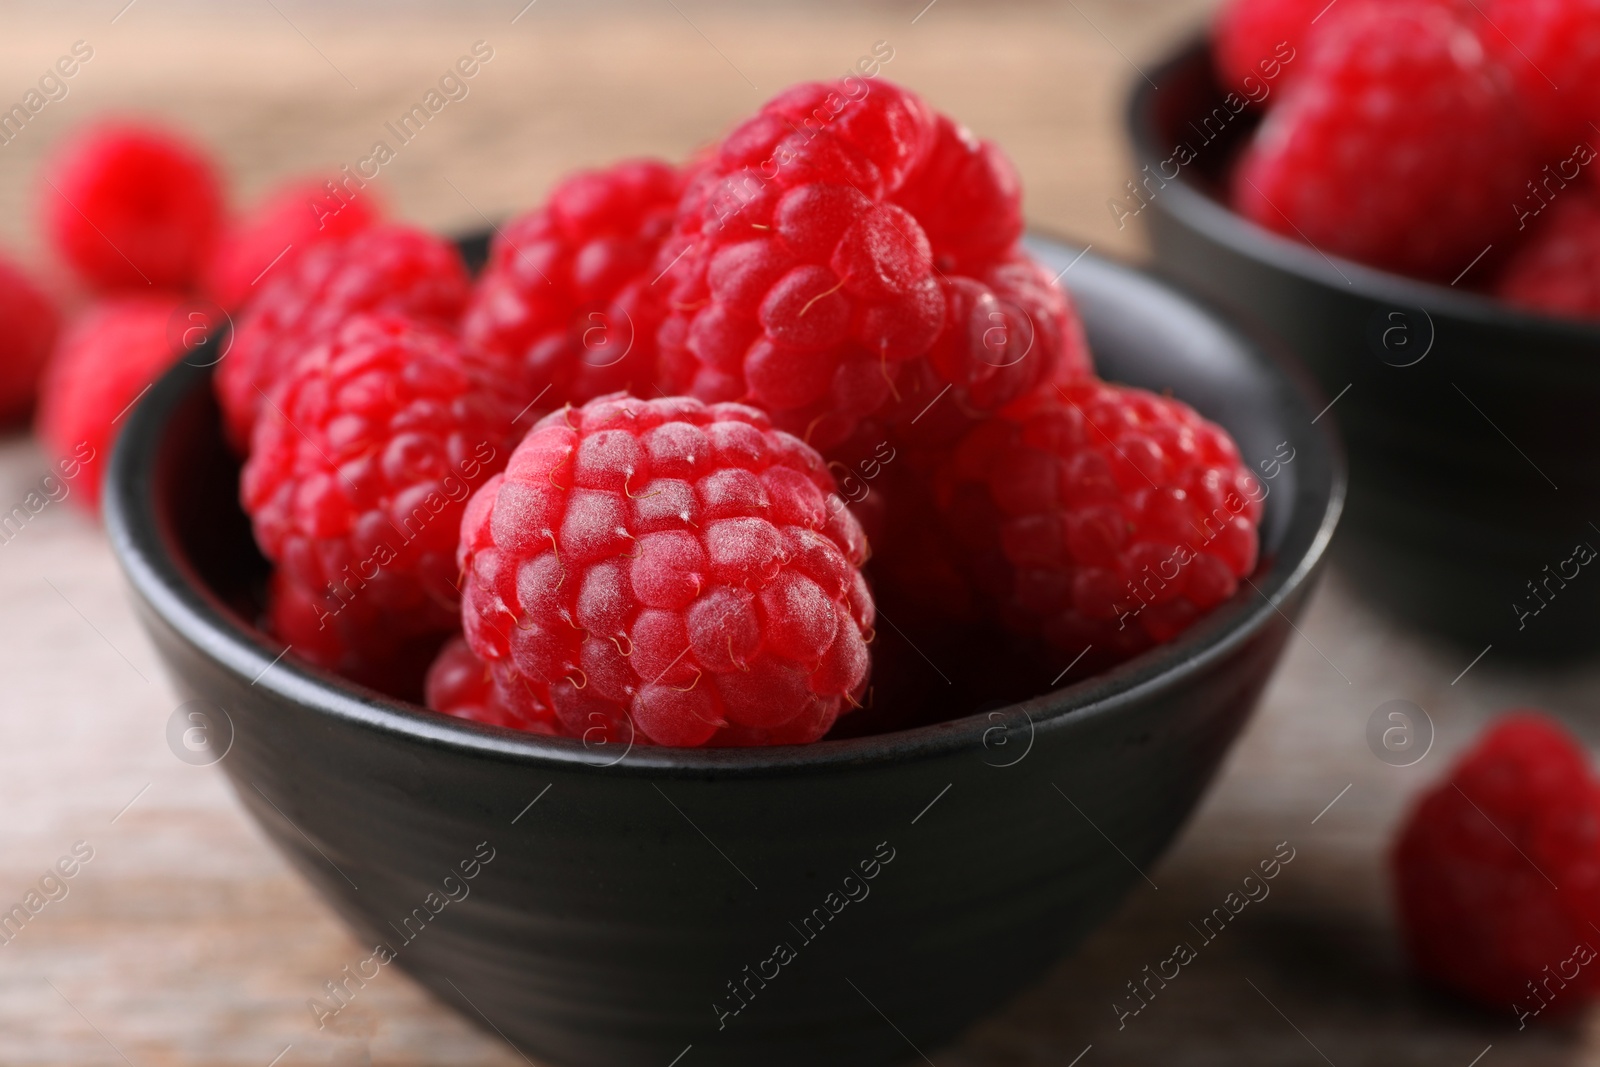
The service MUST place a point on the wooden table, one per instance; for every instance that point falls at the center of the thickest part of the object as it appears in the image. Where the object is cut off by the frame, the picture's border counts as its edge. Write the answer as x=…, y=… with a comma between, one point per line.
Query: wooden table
x=186, y=940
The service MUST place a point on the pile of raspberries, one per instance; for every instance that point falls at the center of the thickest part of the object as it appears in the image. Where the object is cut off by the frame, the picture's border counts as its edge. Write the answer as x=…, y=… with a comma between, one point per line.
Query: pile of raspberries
x=1450, y=140
x=598, y=486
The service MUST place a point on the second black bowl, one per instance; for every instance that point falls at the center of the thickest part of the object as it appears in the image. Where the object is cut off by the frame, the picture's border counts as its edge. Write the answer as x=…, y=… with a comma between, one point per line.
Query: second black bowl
x=1474, y=465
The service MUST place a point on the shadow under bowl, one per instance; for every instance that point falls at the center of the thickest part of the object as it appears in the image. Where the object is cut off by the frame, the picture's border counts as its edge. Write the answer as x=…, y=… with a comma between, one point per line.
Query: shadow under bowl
x=799, y=905
x=1471, y=473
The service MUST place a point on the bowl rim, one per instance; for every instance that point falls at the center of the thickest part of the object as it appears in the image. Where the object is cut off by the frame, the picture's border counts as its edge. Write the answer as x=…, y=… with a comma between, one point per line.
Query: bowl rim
x=1218, y=222
x=174, y=592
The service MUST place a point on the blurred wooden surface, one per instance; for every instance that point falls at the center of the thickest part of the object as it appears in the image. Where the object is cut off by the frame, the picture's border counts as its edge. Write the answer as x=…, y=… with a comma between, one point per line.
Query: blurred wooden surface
x=187, y=940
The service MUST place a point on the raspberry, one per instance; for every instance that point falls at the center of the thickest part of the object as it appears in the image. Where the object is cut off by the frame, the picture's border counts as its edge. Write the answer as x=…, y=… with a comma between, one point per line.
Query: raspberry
x=388, y=269
x=103, y=363
x=1255, y=42
x=277, y=231
x=459, y=684
x=358, y=474
x=1400, y=145
x=29, y=323
x=671, y=571
x=131, y=206
x=567, y=294
x=807, y=266
x=1552, y=49
x=1497, y=872
x=1100, y=515
x=1557, y=270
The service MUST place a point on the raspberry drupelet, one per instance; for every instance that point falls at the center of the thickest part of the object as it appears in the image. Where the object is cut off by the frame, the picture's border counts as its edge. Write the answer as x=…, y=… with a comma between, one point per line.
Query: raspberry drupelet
x=1497, y=873
x=390, y=269
x=357, y=479
x=460, y=685
x=668, y=571
x=1101, y=516
x=567, y=294
x=817, y=251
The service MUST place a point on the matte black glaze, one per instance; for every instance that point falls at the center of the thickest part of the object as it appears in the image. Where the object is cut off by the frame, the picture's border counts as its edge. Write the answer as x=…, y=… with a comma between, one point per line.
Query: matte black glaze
x=620, y=904
x=1474, y=463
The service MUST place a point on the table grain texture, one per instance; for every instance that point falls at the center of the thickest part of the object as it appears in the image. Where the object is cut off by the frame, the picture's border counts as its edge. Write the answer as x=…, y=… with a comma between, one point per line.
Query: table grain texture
x=187, y=940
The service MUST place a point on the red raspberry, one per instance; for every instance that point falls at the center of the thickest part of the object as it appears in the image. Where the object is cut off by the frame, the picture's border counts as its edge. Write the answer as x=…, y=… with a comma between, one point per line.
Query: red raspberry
x=29, y=323
x=1497, y=872
x=131, y=207
x=1400, y=145
x=669, y=567
x=1259, y=42
x=567, y=297
x=1101, y=515
x=358, y=474
x=459, y=684
x=277, y=231
x=104, y=362
x=387, y=269
x=1552, y=49
x=1557, y=270
x=806, y=268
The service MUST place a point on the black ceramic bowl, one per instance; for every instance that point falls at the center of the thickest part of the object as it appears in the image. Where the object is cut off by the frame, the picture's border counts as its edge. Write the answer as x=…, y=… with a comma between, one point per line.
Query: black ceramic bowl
x=635, y=900
x=1473, y=469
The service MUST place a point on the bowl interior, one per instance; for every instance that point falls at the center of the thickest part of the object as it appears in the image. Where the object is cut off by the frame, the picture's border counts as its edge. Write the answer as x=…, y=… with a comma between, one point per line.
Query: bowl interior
x=173, y=514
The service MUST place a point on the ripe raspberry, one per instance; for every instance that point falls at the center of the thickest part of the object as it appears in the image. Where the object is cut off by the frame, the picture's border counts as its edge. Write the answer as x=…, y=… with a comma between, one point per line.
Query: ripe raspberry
x=29, y=323
x=388, y=269
x=1264, y=40
x=1368, y=154
x=132, y=207
x=671, y=568
x=567, y=297
x=1557, y=270
x=103, y=363
x=358, y=474
x=1100, y=515
x=459, y=684
x=806, y=269
x=277, y=231
x=1552, y=49
x=1497, y=872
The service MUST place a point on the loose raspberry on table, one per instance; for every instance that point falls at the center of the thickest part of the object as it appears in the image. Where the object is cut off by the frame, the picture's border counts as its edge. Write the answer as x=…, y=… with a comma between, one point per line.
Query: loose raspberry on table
x=808, y=268
x=668, y=571
x=103, y=363
x=1557, y=269
x=359, y=471
x=567, y=294
x=29, y=323
x=1101, y=517
x=1399, y=145
x=1497, y=872
x=1552, y=49
x=271, y=236
x=459, y=684
x=389, y=269
x=132, y=207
